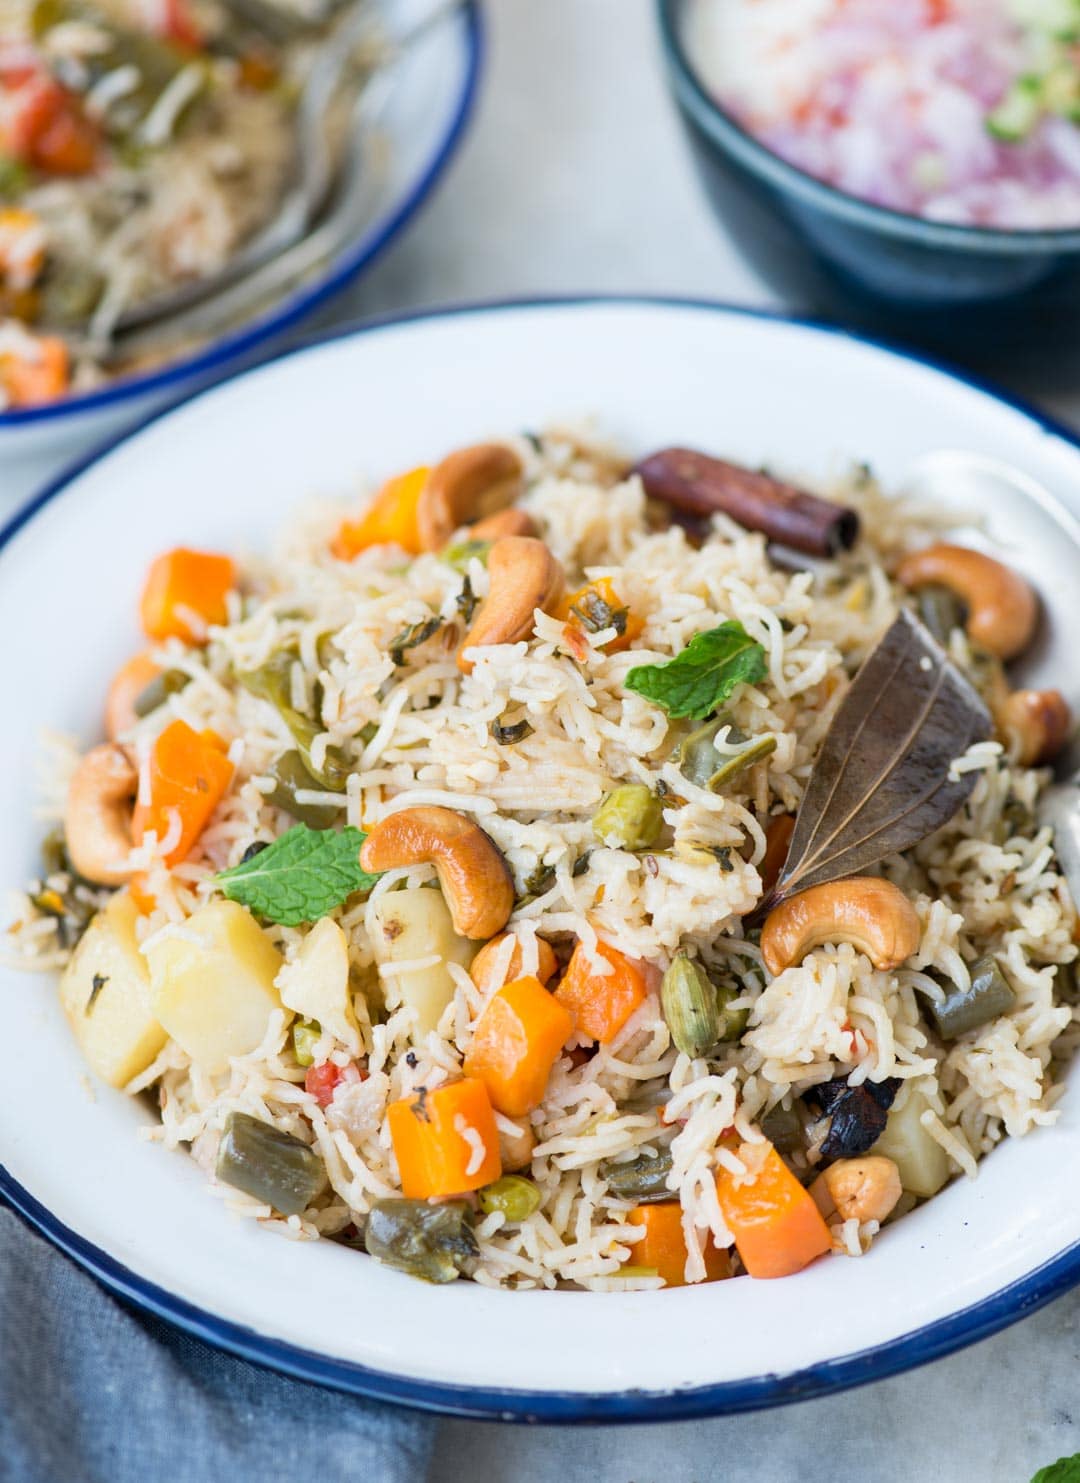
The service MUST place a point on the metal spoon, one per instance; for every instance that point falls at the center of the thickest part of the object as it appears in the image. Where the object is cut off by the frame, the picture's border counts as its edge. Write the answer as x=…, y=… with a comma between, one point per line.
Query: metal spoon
x=314, y=168
x=1041, y=538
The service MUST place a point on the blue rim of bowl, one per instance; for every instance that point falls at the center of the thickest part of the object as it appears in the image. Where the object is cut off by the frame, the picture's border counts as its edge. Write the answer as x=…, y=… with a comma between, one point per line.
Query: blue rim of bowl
x=720, y=127
x=230, y=348
x=933, y=1341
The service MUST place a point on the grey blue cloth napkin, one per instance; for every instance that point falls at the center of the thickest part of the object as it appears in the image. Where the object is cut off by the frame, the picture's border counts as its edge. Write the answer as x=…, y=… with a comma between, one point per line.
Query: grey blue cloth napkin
x=92, y=1392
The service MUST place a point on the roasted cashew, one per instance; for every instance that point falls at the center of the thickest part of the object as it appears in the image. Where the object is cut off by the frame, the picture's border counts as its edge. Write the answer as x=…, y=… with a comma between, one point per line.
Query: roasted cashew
x=482, y=968
x=858, y=1189
x=468, y=485
x=97, y=821
x=1039, y=720
x=873, y=915
x=515, y=1148
x=473, y=875
x=510, y=522
x=128, y=684
x=1002, y=609
x=524, y=576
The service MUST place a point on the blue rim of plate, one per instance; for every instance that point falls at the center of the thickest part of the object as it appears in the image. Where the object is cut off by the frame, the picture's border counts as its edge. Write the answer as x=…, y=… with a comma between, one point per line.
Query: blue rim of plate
x=933, y=1341
x=232, y=347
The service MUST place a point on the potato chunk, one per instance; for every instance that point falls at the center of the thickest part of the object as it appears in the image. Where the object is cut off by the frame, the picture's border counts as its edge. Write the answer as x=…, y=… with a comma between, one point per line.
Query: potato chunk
x=212, y=983
x=411, y=925
x=105, y=992
x=921, y=1160
x=316, y=984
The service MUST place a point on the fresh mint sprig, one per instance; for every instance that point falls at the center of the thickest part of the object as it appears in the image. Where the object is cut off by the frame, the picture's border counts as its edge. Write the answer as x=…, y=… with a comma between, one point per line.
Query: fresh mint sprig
x=698, y=680
x=301, y=877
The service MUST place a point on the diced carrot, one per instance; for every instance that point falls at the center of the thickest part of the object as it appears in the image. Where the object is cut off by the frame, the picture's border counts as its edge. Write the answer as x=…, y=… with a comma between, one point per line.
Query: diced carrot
x=129, y=682
x=188, y=776
x=39, y=375
x=776, y=1225
x=777, y=843
x=664, y=1245
x=601, y=1004
x=140, y=893
x=22, y=246
x=68, y=146
x=185, y=592
x=437, y=1136
x=599, y=601
x=390, y=519
x=516, y=1042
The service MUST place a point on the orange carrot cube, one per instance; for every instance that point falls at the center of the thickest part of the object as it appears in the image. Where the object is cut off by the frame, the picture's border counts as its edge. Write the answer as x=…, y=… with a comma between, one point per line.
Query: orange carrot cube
x=601, y=1003
x=517, y=1041
x=445, y=1140
x=185, y=593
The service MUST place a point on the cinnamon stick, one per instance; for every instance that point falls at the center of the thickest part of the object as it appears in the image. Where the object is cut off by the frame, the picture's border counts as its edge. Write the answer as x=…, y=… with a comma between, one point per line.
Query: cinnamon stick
x=695, y=485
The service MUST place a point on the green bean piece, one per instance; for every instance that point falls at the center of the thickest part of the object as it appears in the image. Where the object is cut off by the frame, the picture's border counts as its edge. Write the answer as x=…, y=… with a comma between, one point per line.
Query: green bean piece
x=690, y=1006
x=305, y=1036
x=731, y=1023
x=157, y=691
x=462, y=552
x=513, y=1195
x=432, y=1242
x=272, y=681
x=697, y=756
x=291, y=777
x=730, y=767
x=702, y=763
x=643, y=1178
x=968, y=1009
x=14, y=178
x=783, y=1128
x=631, y=816
x=940, y=610
x=269, y=1165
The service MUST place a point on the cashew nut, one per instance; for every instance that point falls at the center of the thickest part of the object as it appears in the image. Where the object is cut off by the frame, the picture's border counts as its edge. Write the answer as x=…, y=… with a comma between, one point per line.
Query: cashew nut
x=858, y=1189
x=515, y=1148
x=524, y=576
x=97, y=821
x=466, y=486
x=1040, y=722
x=511, y=522
x=1002, y=609
x=128, y=684
x=483, y=967
x=873, y=915
x=473, y=875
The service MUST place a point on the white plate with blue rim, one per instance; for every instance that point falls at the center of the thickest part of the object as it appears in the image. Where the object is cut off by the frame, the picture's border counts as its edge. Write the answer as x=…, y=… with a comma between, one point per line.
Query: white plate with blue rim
x=223, y=470
x=421, y=119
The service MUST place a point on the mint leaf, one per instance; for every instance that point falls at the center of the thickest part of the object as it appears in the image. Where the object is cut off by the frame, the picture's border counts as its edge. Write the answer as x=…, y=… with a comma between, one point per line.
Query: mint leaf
x=1065, y=1470
x=301, y=877
x=701, y=678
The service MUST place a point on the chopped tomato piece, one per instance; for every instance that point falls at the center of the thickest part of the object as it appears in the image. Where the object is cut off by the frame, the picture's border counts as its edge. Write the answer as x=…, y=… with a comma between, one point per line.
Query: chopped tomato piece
x=321, y=1082
x=44, y=125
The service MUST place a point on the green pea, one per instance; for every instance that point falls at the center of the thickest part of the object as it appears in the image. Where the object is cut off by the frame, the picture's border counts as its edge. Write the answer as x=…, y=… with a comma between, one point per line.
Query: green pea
x=630, y=816
x=305, y=1035
x=513, y=1195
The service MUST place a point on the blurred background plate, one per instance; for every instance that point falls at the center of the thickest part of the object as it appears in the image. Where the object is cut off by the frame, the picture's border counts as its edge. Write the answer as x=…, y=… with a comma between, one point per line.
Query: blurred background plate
x=420, y=122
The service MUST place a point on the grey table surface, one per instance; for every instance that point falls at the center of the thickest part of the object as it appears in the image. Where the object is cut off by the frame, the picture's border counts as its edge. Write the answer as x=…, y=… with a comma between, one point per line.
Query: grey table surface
x=574, y=178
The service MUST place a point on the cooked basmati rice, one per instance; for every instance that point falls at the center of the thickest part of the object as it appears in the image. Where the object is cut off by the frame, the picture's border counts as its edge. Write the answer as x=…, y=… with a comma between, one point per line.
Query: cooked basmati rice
x=986, y=883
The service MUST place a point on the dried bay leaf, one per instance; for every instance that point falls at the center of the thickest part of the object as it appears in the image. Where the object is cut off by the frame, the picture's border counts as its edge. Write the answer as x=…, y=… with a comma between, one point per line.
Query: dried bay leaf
x=881, y=780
